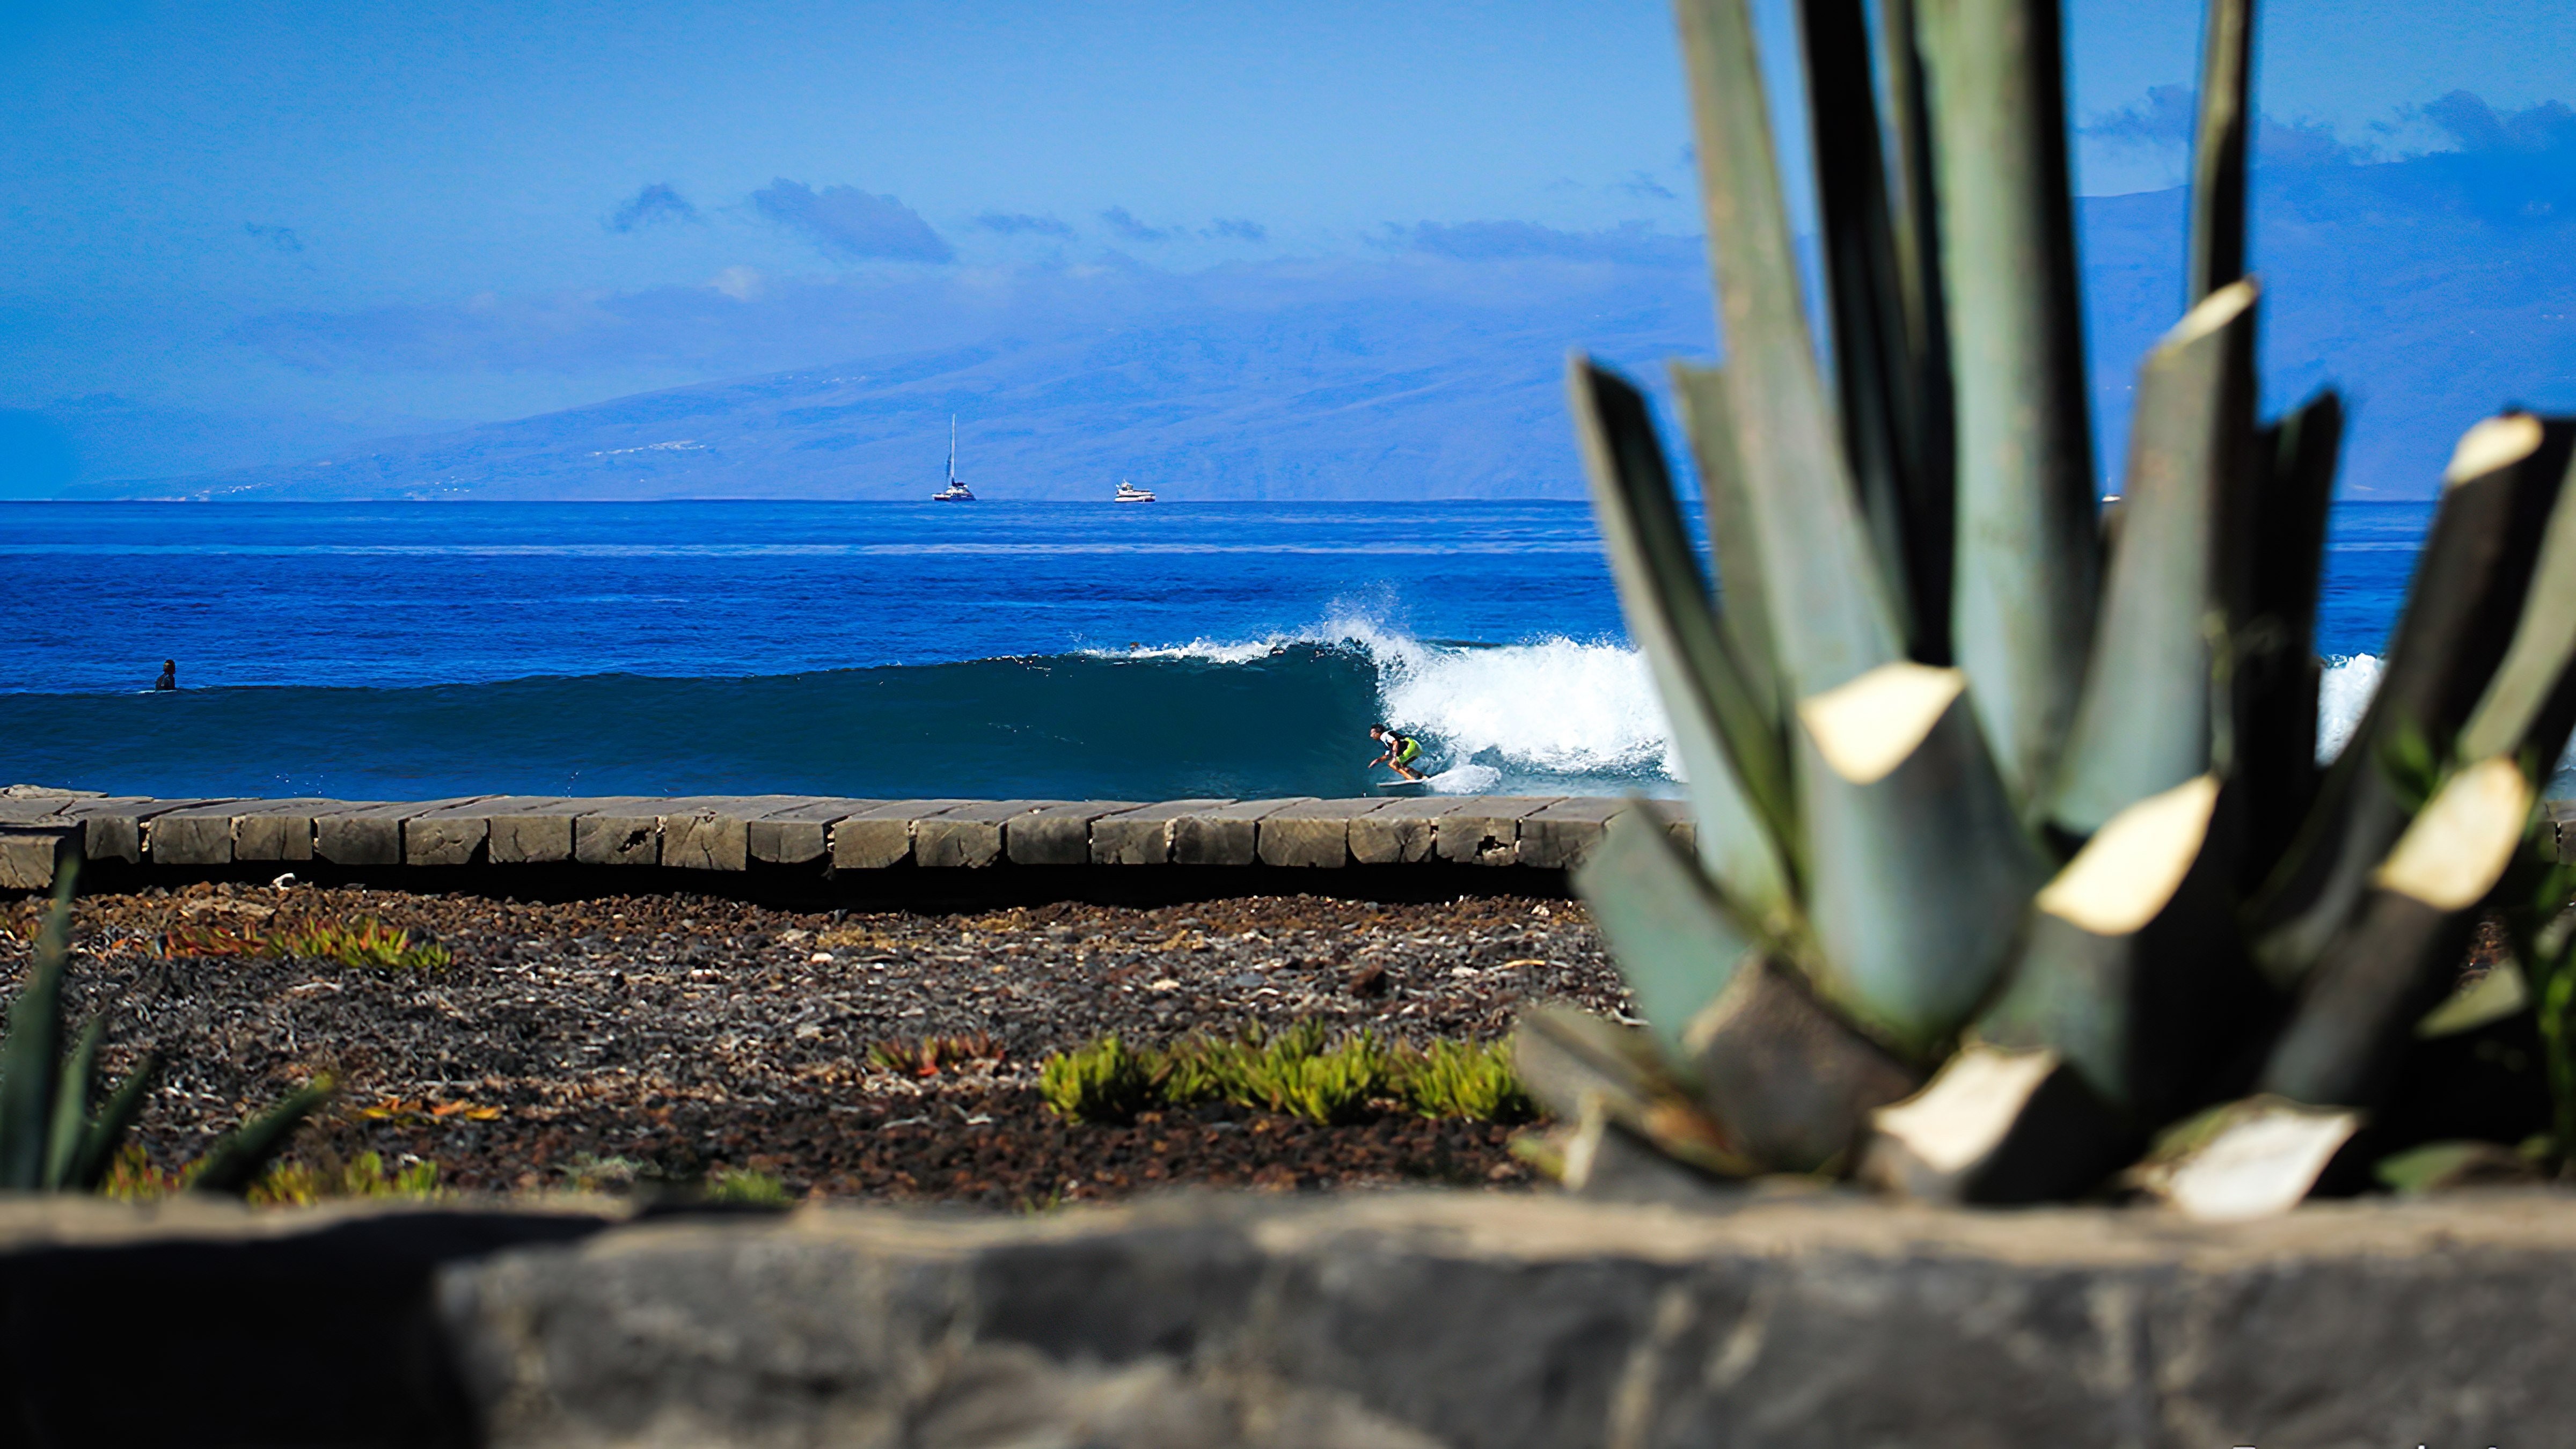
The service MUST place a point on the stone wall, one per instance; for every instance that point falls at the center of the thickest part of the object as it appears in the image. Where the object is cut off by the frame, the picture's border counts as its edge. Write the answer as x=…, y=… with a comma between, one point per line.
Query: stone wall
x=1380, y=1320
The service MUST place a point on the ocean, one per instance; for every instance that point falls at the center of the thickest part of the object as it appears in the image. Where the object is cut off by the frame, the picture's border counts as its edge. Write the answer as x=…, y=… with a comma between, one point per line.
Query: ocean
x=1074, y=651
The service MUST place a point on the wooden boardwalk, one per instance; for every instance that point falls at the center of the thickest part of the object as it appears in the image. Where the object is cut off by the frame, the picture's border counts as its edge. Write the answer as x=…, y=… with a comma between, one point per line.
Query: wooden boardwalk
x=40, y=831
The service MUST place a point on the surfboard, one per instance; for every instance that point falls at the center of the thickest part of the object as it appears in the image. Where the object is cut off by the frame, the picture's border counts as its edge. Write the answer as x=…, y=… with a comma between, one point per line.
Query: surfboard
x=1400, y=784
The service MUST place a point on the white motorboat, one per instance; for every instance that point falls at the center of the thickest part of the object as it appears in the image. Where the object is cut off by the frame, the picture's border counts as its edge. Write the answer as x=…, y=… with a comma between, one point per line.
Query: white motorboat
x=1130, y=493
x=955, y=492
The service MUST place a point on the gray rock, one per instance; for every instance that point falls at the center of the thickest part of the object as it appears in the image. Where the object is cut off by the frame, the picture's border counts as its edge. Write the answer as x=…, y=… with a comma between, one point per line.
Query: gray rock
x=1468, y=1319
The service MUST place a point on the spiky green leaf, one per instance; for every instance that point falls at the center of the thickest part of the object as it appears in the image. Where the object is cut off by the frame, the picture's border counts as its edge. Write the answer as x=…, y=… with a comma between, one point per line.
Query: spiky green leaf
x=106, y=1131
x=1829, y=606
x=72, y=1089
x=30, y=1059
x=2218, y=149
x=1673, y=936
x=2150, y=706
x=1729, y=752
x=236, y=1161
x=2028, y=536
x=1919, y=867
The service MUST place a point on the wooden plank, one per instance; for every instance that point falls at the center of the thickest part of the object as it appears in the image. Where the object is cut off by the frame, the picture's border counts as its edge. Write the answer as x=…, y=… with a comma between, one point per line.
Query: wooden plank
x=275, y=830
x=1142, y=836
x=800, y=833
x=1677, y=819
x=1226, y=834
x=112, y=827
x=619, y=830
x=1563, y=835
x=33, y=853
x=460, y=834
x=877, y=838
x=192, y=836
x=970, y=835
x=374, y=834
x=1314, y=834
x=1485, y=829
x=713, y=832
x=1058, y=834
x=1399, y=832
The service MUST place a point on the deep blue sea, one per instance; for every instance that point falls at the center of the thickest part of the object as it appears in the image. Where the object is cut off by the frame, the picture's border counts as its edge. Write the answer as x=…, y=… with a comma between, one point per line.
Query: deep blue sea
x=412, y=650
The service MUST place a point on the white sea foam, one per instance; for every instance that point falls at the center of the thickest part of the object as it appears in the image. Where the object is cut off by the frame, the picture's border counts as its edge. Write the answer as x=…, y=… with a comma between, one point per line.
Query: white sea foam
x=1560, y=707
x=1550, y=707
x=2342, y=695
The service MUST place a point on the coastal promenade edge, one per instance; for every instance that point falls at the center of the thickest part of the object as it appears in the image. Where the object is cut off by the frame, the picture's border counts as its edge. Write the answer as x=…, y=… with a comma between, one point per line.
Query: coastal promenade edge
x=42, y=831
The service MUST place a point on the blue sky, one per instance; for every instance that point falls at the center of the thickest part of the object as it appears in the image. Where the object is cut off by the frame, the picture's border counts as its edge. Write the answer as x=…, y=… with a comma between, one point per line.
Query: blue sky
x=260, y=231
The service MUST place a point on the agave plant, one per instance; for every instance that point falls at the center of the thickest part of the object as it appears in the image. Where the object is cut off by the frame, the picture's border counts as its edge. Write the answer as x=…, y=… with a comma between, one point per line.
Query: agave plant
x=2013, y=848
x=58, y=1134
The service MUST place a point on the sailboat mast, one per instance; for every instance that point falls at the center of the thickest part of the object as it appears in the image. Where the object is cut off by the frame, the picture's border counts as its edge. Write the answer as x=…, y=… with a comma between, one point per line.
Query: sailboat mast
x=952, y=450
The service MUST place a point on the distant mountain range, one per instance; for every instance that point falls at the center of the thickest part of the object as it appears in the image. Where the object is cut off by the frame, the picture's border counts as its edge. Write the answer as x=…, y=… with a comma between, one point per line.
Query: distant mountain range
x=2434, y=289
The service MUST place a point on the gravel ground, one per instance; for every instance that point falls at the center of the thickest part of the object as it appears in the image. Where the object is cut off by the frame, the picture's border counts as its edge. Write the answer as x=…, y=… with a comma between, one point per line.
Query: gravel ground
x=628, y=1038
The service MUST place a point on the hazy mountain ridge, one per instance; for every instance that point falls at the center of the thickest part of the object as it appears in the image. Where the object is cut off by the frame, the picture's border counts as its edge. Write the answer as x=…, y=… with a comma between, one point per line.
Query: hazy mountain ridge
x=2433, y=290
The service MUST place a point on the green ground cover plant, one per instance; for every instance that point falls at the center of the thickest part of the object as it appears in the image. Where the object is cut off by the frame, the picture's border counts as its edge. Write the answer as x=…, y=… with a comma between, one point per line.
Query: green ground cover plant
x=364, y=943
x=1302, y=1070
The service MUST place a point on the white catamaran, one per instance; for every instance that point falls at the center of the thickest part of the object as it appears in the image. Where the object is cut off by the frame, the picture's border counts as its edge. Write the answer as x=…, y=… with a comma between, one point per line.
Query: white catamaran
x=955, y=492
x=1130, y=493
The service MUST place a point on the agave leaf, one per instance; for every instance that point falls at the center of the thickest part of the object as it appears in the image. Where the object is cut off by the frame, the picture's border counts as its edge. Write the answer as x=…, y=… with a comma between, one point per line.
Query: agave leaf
x=1745, y=618
x=1730, y=754
x=1919, y=868
x=2517, y=705
x=1575, y=1064
x=2358, y=1008
x=106, y=1131
x=30, y=1059
x=1923, y=399
x=2278, y=673
x=2218, y=151
x=1674, y=938
x=71, y=1105
x=2470, y=582
x=2145, y=722
x=1829, y=607
x=235, y=1162
x=1874, y=361
x=2132, y=969
x=1997, y=1126
x=2028, y=537
x=2253, y=1158
x=1792, y=1081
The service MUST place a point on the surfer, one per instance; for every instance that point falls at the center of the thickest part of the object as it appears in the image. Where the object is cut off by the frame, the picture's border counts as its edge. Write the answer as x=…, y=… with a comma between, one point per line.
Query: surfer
x=169, y=675
x=1400, y=751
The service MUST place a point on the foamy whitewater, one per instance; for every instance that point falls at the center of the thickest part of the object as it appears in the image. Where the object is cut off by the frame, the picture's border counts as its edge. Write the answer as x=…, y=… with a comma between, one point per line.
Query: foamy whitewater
x=1554, y=713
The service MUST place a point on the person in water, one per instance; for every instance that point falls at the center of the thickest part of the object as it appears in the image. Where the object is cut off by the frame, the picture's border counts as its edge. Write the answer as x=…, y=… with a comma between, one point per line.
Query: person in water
x=169, y=675
x=1400, y=751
